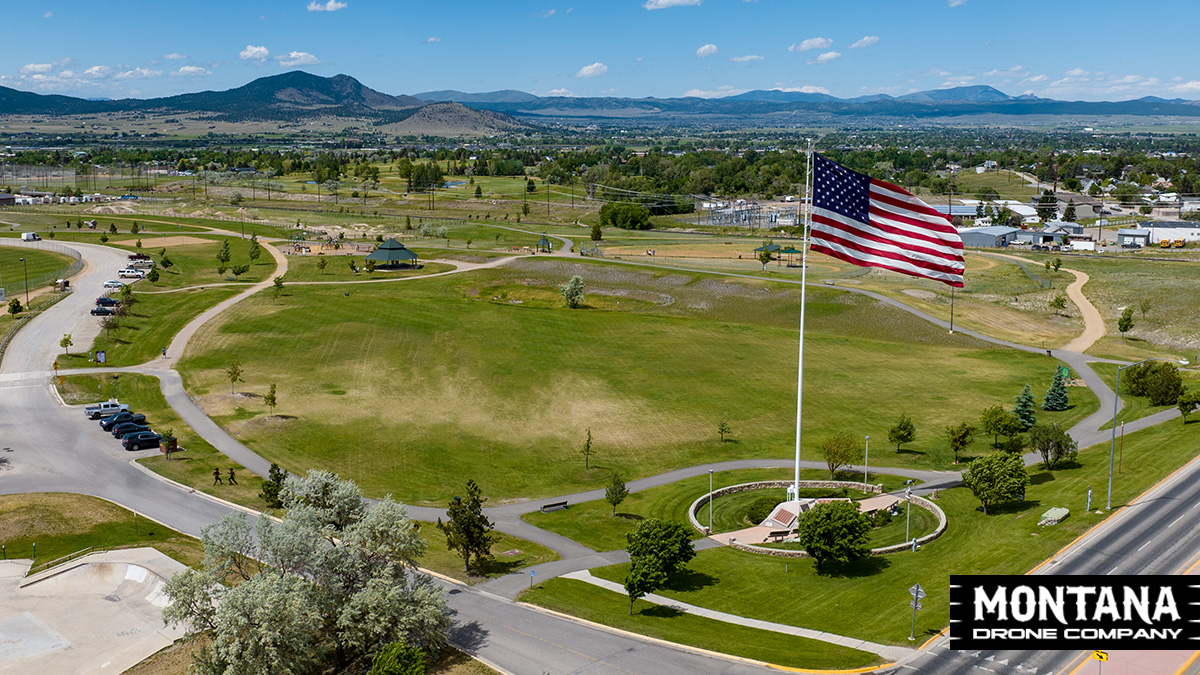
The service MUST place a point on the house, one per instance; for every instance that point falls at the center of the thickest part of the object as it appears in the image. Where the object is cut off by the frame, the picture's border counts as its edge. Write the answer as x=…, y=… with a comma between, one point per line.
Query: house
x=992, y=236
x=1160, y=230
x=1133, y=237
x=1039, y=237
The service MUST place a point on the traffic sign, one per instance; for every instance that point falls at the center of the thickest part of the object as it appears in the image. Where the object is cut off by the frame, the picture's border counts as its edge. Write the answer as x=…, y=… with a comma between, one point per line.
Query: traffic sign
x=915, y=605
x=1099, y=655
x=917, y=592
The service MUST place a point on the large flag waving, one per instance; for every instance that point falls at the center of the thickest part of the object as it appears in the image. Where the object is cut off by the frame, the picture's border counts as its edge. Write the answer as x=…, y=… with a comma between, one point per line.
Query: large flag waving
x=871, y=223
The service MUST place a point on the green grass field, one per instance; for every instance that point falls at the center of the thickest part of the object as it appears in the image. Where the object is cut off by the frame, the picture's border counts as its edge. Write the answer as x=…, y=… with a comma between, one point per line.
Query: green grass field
x=337, y=268
x=38, y=265
x=612, y=609
x=489, y=370
x=153, y=320
x=1137, y=407
x=869, y=599
x=62, y=524
x=509, y=554
x=194, y=464
x=194, y=262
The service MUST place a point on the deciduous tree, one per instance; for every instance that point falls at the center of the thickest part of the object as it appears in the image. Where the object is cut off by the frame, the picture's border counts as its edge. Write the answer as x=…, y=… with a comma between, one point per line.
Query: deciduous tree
x=834, y=532
x=902, y=432
x=572, y=292
x=616, y=492
x=587, y=450
x=960, y=436
x=66, y=343
x=657, y=549
x=1188, y=404
x=234, y=372
x=839, y=450
x=270, y=399
x=996, y=478
x=723, y=428
x=1052, y=443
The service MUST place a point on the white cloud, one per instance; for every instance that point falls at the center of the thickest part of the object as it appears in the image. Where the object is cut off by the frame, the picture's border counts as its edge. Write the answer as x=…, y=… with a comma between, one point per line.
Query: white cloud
x=561, y=92
x=1077, y=72
x=811, y=43
x=432, y=39
x=175, y=56
x=31, y=68
x=1036, y=78
x=663, y=4
x=137, y=74
x=47, y=15
x=826, y=57
x=747, y=58
x=706, y=50
x=98, y=72
x=331, y=6
x=959, y=81
x=936, y=72
x=252, y=53
x=868, y=41
x=1015, y=71
x=719, y=92
x=595, y=70
x=191, y=71
x=1190, y=87
x=546, y=13
x=806, y=89
x=956, y=3
x=293, y=59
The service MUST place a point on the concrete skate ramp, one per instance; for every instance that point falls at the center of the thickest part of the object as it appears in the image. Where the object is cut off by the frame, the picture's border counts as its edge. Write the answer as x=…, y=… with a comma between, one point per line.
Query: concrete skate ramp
x=99, y=614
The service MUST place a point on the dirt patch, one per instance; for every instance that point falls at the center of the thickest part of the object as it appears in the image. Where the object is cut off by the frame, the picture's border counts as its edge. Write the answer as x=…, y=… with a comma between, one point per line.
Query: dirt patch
x=181, y=240
x=51, y=514
x=113, y=210
x=919, y=294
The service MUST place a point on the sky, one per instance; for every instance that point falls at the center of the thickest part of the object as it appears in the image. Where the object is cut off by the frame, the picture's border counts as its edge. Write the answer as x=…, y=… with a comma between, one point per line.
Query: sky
x=1066, y=49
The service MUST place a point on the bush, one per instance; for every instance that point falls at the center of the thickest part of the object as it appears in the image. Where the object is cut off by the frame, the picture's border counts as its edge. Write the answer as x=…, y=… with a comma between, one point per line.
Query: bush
x=1157, y=380
x=760, y=509
x=625, y=216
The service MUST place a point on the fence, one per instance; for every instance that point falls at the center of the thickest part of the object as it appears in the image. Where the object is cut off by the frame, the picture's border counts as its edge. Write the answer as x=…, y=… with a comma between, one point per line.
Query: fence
x=26, y=316
x=47, y=278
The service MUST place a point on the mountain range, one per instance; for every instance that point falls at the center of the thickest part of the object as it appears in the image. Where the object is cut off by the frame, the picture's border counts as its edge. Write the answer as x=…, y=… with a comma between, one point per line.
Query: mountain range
x=299, y=95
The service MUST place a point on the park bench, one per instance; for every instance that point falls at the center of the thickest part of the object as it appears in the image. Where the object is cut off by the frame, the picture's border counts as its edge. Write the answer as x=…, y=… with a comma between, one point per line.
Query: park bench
x=778, y=535
x=553, y=506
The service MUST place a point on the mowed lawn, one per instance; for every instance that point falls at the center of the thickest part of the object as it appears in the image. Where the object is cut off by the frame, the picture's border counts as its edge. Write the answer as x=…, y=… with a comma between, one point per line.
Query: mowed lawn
x=412, y=388
x=37, y=263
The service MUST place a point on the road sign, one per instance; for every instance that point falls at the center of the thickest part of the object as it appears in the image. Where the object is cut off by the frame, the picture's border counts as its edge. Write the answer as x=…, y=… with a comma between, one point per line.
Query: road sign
x=917, y=592
x=1099, y=655
x=915, y=605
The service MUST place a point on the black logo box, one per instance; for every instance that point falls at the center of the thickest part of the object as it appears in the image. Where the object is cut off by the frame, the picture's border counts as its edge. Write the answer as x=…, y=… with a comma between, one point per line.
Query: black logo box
x=1074, y=612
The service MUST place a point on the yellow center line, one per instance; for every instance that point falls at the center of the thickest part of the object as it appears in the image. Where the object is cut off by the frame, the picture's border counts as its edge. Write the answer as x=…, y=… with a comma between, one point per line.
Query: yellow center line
x=1082, y=663
x=1188, y=663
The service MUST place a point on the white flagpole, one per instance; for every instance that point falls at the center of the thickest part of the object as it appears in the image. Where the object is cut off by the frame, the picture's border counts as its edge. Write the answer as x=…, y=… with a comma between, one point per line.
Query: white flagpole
x=803, y=288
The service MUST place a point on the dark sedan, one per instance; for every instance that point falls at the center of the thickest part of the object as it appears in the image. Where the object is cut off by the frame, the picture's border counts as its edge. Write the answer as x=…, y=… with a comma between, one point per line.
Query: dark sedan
x=105, y=301
x=111, y=421
x=141, y=440
x=103, y=311
x=125, y=428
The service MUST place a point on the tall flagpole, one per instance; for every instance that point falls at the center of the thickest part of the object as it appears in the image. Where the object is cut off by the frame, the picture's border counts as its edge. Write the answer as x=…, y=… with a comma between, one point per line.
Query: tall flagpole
x=808, y=183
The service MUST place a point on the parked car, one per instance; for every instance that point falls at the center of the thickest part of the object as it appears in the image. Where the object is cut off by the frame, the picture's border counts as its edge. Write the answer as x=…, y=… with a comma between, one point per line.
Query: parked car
x=141, y=440
x=138, y=256
x=125, y=428
x=104, y=409
x=131, y=273
x=103, y=311
x=105, y=301
x=147, y=263
x=1037, y=247
x=113, y=283
x=113, y=420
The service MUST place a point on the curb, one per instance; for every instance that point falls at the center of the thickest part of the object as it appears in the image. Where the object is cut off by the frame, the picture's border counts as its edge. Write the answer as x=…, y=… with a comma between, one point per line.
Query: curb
x=191, y=490
x=688, y=648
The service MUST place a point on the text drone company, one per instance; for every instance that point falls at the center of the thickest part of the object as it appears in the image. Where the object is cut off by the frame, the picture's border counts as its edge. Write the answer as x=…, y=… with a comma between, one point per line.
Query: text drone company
x=992, y=612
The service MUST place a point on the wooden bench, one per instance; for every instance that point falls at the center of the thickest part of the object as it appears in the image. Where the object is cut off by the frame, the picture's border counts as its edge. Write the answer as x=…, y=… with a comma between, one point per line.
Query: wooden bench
x=553, y=506
x=778, y=535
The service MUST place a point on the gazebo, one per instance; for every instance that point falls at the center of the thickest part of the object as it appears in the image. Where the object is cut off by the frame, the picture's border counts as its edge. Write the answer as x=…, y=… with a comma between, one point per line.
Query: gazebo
x=790, y=252
x=543, y=244
x=392, y=252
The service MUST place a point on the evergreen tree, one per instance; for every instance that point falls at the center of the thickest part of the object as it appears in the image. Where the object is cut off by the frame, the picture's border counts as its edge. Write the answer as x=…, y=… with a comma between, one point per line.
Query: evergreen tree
x=1069, y=213
x=1056, y=395
x=1125, y=323
x=467, y=530
x=1024, y=408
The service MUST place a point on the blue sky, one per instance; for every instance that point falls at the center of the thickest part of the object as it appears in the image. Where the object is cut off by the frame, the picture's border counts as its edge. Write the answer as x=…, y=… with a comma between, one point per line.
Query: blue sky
x=1097, y=50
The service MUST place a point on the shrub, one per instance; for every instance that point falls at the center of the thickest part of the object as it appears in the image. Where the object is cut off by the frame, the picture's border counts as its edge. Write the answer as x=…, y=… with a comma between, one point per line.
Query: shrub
x=760, y=509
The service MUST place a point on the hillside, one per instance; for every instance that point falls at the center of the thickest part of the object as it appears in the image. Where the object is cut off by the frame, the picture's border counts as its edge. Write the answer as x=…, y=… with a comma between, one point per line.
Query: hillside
x=450, y=119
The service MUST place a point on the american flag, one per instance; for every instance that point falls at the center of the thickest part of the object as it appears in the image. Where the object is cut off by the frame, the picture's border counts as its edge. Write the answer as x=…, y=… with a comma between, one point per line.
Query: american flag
x=872, y=223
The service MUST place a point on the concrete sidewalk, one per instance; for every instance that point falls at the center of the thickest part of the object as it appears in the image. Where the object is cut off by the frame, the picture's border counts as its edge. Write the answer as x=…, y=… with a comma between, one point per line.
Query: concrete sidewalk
x=886, y=651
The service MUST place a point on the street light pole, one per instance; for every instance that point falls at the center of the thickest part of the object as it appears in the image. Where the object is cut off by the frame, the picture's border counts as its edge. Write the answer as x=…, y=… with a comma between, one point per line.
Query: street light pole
x=1116, y=406
x=866, y=459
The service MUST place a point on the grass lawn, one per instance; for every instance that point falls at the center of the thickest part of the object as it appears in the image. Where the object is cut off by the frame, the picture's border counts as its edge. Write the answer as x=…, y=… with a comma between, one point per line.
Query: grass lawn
x=1137, y=407
x=612, y=609
x=594, y=525
x=61, y=524
x=194, y=261
x=510, y=554
x=868, y=599
x=38, y=264
x=399, y=386
x=151, y=324
x=337, y=268
x=193, y=466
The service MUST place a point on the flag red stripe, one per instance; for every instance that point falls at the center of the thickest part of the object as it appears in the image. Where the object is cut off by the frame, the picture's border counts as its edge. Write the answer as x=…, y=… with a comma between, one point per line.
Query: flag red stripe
x=952, y=280
x=892, y=222
x=915, y=262
x=916, y=204
x=855, y=228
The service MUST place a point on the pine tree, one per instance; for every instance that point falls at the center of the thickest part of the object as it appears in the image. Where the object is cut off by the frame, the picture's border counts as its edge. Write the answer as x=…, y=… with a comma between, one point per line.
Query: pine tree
x=1025, y=407
x=1056, y=395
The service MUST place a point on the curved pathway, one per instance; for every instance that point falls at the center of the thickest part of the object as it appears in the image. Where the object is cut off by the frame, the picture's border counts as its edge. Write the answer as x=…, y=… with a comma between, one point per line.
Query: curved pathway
x=1093, y=323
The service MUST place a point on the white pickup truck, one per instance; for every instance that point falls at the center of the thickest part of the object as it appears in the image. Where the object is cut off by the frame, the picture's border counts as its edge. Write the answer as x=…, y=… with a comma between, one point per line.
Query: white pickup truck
x=104, y=409
x=131, y=273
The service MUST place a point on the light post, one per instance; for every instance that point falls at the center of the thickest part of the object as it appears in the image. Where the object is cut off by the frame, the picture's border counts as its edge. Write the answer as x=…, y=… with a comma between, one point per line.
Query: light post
x=710, y=472
x=25, y=265
x=866, y=459
x=1116, y=407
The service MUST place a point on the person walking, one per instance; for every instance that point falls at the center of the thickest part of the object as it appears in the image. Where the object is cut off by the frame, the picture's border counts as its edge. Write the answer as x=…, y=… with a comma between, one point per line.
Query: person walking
x=164, y=352
x=232, y=479
x=217, y=477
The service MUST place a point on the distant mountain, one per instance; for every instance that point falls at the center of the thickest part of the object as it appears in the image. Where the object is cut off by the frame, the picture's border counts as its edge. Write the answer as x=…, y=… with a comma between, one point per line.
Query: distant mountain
x=501, y=96
x=780, y=95
x=448, y=118
x=976, y=94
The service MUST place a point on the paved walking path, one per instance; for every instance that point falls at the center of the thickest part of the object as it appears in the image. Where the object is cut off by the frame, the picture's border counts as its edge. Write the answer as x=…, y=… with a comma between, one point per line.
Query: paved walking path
x=886, y=651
